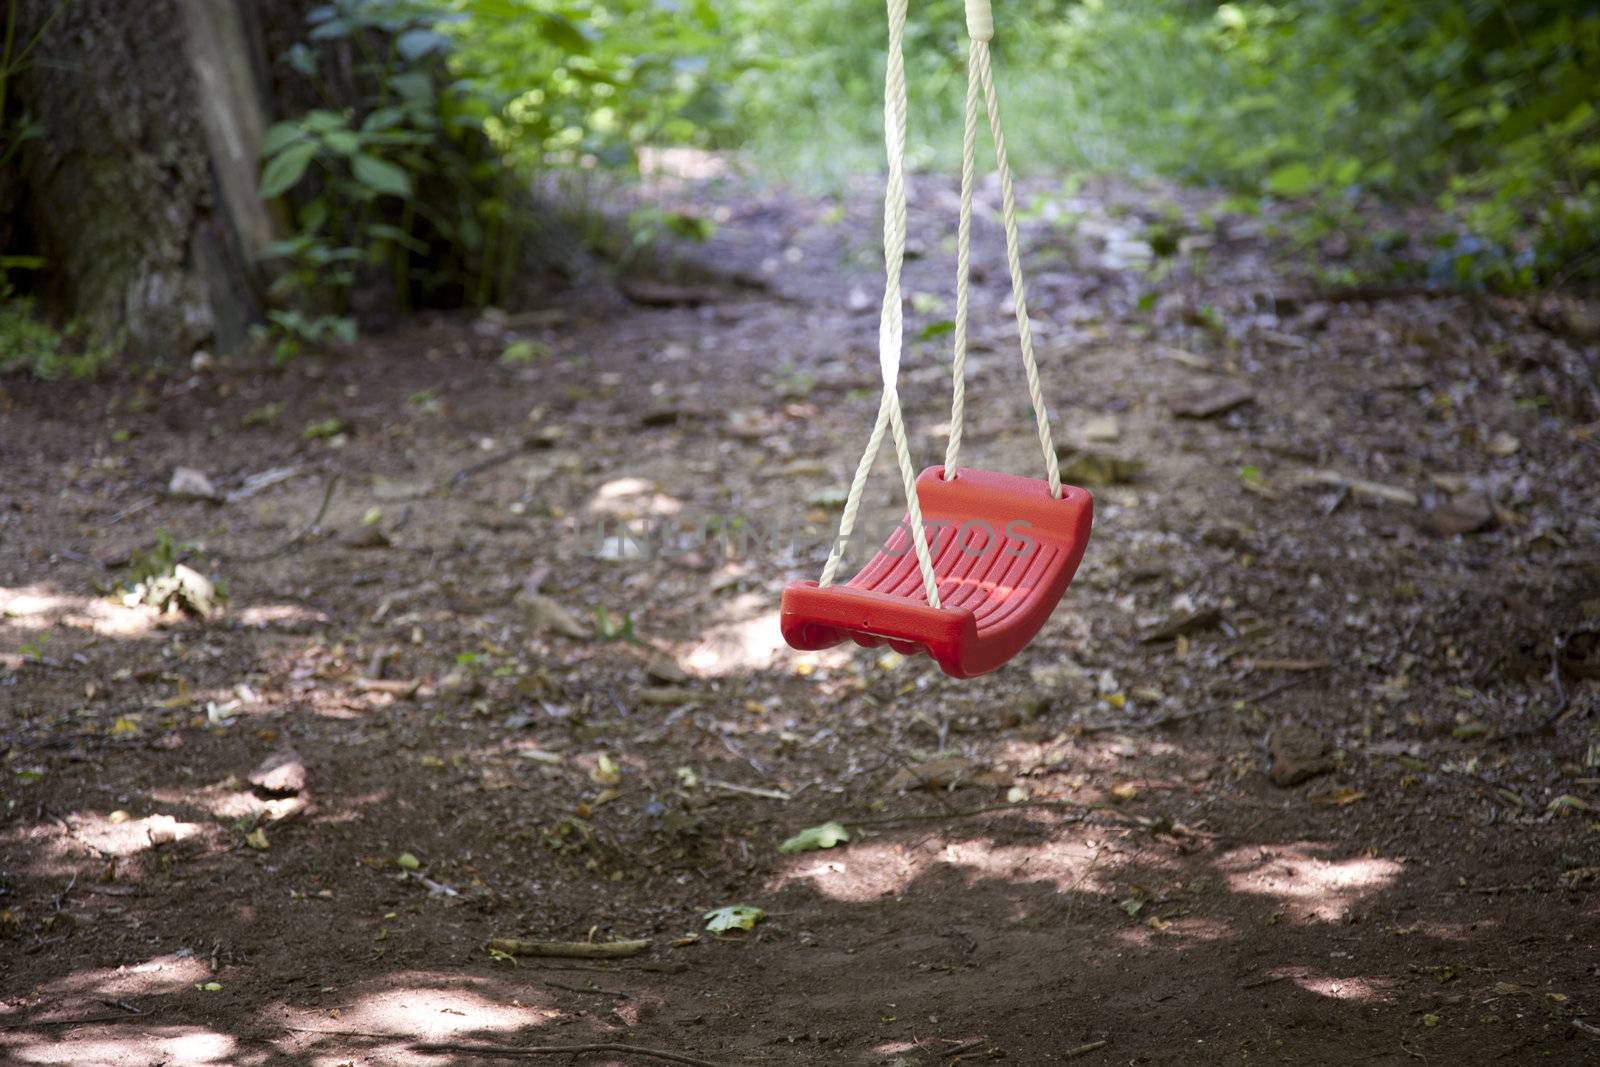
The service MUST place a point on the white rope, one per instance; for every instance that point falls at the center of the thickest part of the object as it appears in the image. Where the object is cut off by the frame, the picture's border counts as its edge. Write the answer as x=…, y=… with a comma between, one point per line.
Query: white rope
x=891, y=324
x=969, y=155
x=980, y=72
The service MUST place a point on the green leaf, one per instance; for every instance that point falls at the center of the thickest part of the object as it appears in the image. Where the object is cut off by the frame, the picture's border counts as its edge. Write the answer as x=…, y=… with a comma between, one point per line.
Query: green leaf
x=285, y=169
x=344, y=142
x=408, y=861
x=935, y=330
x=381, y=175
x=814, y=837
x=318, y=431
x=279, y=137
x=383, y=231
x=564, y=34
x=322, y=120
x=733, y=917
x=1291, y=179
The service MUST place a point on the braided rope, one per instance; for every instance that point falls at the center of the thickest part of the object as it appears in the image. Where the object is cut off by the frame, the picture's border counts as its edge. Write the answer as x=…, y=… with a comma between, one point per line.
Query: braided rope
x=1008, y=213
x=969, y=155
x=891, y=323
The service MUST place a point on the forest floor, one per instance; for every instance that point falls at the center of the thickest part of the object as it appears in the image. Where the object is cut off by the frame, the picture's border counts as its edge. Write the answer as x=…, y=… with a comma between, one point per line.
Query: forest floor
x=1305, y=768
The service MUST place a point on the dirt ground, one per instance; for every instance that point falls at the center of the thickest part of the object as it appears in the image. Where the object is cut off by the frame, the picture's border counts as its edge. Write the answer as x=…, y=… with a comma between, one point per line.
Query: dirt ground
x=1305, y=768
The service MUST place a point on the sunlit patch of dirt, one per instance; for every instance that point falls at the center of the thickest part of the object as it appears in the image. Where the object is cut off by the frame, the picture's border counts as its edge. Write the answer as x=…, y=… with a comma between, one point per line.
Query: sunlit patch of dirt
x=35, y=607
x=414, y=1007
x=142, y=1045
x=1334, y=987
x=748, y=641
x=159, y=974
x=870, y=870
x=1312, y=888
x=267, y=615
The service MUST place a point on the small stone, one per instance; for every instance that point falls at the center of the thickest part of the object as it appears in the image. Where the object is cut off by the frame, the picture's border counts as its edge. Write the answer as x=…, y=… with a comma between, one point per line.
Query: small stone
x=283, y=773
x=1504, y=444
x=190, y=484
x=459, y=683
x=1102, y=428
x=1462, y=515
x=1298, y=755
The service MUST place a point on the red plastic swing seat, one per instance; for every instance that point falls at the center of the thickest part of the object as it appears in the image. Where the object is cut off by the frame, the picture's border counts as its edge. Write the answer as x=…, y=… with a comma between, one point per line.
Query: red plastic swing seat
x=1004, y=551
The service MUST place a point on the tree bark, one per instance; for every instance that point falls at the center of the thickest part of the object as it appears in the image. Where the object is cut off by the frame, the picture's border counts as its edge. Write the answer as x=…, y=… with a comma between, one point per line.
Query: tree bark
x=140, y=194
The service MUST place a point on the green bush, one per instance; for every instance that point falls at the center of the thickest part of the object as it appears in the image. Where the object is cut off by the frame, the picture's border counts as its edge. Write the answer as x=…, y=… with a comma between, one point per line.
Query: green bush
x=1483, y=107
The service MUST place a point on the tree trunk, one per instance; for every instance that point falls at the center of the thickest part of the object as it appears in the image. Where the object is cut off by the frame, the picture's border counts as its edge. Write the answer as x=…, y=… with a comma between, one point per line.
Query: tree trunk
x=140, y=193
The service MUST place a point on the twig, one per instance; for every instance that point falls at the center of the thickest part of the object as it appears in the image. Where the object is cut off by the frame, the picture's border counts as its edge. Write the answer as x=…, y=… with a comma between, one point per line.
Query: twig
x=300, y=535
x=132, y=509
x=1550, y=718
x=337, y=1033
x=746, y=790
x=560, y=1050
x=939, y=816
x=1172, y=720
x=1084, y=1050
x=953, y=1053
x=86, y=1020
x=587, y=989
x=574, y=950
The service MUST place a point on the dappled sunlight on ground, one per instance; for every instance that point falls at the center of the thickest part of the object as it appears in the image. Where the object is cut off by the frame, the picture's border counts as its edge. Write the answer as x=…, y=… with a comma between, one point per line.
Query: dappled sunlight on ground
x=102, y=836
x=1344, y=988
x=1311, y=888
x=116, y=836
x=144, y=1045
x=159, y=974
x=265, y=615
x=749, y=641
x=413, y=1007
x=31, y=608
x=870, y=870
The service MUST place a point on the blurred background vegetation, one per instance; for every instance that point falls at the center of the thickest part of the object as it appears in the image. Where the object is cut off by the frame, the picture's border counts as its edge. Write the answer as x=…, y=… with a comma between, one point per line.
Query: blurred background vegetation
x=418, y=132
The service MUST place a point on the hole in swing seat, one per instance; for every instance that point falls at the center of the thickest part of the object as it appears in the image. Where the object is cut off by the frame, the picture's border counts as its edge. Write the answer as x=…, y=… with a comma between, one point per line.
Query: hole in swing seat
x=1003, y=550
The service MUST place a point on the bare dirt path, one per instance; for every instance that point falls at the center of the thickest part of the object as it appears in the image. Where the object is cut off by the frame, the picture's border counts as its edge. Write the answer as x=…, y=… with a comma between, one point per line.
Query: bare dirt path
x=1306, y=767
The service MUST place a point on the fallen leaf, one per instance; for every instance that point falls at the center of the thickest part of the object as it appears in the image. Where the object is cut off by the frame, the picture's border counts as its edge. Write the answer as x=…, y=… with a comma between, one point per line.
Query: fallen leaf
x=1209, y=403
x=815, y=837
x=257, y=839
x=408, y=861
x=1503, y=444
x=548, y=615
x=1096, y=469
x=733, y=917
x=1567, y=804
x=190, y=484
x=948, y=772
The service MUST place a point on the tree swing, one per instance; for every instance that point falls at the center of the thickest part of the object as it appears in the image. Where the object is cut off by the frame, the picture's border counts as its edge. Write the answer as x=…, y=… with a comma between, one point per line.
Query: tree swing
x=971, y=603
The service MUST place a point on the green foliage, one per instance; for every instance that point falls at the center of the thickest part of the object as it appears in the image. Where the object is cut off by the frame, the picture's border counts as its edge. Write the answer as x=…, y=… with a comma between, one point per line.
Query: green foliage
x=426, y=181
x=587, y=82
x=1484, y=107
x=29, y=343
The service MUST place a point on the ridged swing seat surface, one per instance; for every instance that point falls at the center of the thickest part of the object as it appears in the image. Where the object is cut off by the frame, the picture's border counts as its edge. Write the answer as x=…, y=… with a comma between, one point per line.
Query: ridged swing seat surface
x=1003, y=549
x=996, y=584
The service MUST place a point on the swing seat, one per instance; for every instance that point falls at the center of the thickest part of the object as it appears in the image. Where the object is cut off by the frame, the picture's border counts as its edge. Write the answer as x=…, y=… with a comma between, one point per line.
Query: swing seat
x=1004, y=551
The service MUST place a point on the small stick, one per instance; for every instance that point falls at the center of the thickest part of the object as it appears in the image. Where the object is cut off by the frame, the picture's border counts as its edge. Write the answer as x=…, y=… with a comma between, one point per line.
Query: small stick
x=86, y=1020
x=300, y=535
x=1084, y=1050
x=1172, y=720
x=587, y=989
x=937, y=816
x=955, y=1053
x=573, y=950
x=562, y=1050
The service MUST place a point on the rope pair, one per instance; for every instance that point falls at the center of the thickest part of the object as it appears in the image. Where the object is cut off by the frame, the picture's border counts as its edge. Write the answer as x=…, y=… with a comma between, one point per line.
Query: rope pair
x=891, y=326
